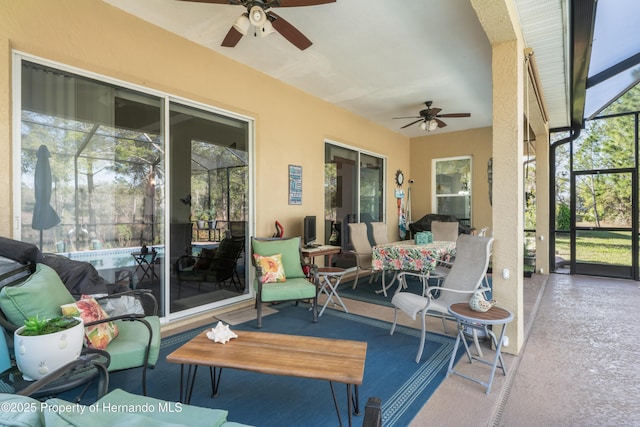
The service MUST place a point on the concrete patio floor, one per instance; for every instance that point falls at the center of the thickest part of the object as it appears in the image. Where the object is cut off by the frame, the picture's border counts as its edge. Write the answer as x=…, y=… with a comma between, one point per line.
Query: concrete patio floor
x=578, y=366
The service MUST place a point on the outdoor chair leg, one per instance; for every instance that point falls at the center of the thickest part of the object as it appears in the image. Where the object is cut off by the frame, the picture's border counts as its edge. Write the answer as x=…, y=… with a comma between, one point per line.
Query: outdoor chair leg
x=259, y=309
x=355, y=282
x=444, y=324
x=395, y=320
x=422, y=336
x=315, y=309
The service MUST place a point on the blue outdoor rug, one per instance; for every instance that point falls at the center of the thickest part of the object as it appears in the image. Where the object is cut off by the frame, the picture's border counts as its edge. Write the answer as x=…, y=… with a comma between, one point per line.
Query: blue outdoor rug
x=391, y=374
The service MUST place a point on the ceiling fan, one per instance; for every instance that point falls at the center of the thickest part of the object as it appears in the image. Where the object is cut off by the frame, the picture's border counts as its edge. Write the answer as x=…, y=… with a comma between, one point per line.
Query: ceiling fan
x=264, y=21
x=430, y=118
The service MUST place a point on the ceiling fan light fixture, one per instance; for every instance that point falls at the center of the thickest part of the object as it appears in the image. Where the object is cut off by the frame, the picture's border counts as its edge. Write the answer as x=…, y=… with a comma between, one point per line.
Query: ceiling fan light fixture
x=242, y=24
x=267, y=28
x=429, y=125
x=257, y=16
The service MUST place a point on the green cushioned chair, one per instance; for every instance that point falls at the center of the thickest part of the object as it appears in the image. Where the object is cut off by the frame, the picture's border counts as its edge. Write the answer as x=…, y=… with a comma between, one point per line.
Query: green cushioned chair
x=297, y=285
x=42, y=294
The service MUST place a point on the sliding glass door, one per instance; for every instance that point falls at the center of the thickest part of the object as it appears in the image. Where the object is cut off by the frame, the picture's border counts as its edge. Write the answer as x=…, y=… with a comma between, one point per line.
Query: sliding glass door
x=210, y=175
x=132, y=181
x=354, y=192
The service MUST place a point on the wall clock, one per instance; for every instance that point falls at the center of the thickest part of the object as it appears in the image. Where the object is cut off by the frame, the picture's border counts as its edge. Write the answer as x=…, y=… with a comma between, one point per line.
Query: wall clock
x=399, y=178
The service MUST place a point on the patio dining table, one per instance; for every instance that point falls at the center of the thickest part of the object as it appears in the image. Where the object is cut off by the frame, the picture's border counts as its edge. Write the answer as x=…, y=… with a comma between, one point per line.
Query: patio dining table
x=405, y=255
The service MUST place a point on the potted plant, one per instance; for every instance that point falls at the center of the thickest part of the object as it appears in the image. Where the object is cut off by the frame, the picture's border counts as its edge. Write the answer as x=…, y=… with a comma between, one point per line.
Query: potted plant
x=42, y=346
x=201, y=219
x=212, y=219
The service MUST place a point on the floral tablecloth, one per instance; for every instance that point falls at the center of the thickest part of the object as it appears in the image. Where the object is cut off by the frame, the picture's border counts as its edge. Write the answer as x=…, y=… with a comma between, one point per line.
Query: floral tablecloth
x=405, y=255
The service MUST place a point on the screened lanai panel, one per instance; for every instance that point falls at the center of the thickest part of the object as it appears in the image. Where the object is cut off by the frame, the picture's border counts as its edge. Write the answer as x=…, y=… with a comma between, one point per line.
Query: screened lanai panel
x=613, y=66
x=606, y=144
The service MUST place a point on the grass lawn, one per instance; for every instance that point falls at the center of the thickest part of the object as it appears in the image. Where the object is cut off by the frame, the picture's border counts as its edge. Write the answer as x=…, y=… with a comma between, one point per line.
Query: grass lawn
x=599, y=247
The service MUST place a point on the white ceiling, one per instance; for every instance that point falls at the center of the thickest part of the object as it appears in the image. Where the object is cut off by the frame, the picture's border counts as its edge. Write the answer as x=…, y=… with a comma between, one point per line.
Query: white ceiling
x=380, y=59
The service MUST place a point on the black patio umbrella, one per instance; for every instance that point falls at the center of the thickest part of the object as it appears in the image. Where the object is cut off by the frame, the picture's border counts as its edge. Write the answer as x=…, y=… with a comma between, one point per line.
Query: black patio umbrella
x=44, y=216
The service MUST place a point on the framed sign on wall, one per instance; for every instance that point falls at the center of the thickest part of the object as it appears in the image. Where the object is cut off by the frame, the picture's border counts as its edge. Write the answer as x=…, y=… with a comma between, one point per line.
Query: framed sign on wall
x=295, y=185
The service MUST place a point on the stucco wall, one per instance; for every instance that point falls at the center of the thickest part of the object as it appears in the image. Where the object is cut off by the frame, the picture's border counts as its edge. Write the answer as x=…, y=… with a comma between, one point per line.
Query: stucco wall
x=475, y=143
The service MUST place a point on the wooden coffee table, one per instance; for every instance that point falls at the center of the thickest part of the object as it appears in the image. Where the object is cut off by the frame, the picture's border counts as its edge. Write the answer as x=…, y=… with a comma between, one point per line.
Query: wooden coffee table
x=278, y=354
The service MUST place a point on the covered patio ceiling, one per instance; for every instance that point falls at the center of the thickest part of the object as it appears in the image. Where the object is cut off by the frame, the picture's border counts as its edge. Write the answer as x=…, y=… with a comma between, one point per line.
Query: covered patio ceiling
x=382, y=60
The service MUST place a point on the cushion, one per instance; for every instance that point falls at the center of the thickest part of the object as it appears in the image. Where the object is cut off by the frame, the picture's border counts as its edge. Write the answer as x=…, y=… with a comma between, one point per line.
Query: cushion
x=295, y=289
x=40, y=295
x=204, y=260
x=25, y=413
x=78, y=276
x=290, y=250
x=98, y=336
x=128, y=350
x=168, y=411
x=22, y=252
x=272, y=269
x=61, y=413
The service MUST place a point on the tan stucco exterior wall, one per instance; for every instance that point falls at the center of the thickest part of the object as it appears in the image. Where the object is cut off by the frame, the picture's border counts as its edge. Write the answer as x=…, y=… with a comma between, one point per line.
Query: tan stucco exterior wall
x=475, y=143
x=291, y=126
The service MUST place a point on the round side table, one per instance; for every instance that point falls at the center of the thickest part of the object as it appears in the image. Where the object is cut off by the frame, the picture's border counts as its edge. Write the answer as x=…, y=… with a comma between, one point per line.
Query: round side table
x=468, y=318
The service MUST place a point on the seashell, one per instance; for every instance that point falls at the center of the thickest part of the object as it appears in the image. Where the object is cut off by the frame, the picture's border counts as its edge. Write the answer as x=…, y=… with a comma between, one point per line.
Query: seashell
x=477, y=302
x=221, y=333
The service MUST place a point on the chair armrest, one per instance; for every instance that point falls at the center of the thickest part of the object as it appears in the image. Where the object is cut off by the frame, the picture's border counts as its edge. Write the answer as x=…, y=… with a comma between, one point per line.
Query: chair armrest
x=97, y=359
x=361, y=257
x=457, y=291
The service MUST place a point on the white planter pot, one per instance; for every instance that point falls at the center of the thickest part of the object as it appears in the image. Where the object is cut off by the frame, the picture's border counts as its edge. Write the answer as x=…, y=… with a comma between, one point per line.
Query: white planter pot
x=37, y=356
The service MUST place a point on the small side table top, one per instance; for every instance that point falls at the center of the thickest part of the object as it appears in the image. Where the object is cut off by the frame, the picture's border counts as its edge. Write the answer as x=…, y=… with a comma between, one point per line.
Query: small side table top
x=334, y=271
x=495, y=315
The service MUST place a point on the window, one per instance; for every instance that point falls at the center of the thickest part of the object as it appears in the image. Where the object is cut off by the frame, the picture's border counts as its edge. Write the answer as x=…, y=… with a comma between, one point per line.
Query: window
x=452, y=187
x=354, y=190
x=100, y=151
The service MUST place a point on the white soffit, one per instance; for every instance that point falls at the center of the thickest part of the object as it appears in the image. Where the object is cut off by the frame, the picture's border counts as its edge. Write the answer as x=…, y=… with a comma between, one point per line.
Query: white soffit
x=545, y=27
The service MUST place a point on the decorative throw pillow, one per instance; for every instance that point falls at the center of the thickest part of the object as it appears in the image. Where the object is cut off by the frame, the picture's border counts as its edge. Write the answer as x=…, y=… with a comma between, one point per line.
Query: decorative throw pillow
x=41, y=294
x=98, y=336
x=204, y=260
x=272, y=269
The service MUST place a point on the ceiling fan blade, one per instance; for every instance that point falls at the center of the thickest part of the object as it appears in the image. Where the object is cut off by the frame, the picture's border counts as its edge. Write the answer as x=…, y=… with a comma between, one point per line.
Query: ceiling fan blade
x=441, y=124
x=409, y=117
x=455, y=115
x=295, y=3
x=232, y=38
x=434, y=111
x=412, y=123
x=215, y=1
x=289, y=32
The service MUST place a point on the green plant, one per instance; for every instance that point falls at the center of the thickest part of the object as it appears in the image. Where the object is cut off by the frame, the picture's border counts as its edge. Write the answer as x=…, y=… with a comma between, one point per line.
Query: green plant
x=34, y=326
x=564, y=217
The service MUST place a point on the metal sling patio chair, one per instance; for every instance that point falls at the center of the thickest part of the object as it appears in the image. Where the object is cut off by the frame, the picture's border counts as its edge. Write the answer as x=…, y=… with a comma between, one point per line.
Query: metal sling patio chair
x=466, y=276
